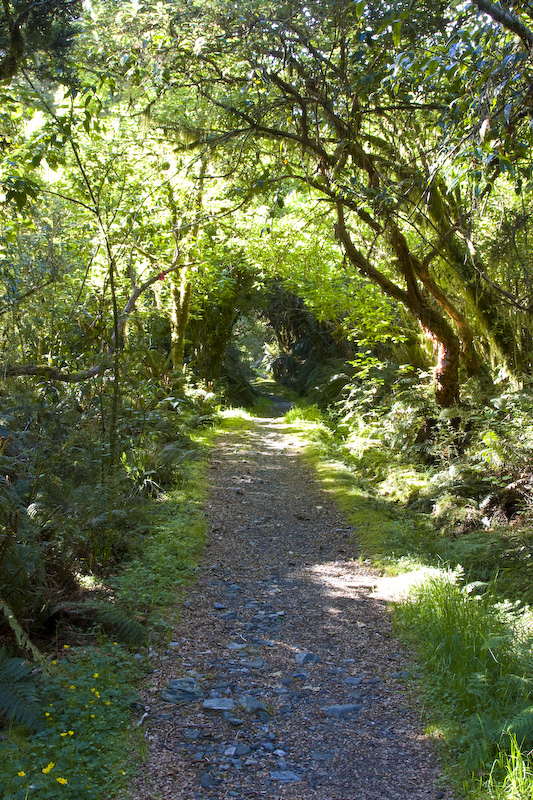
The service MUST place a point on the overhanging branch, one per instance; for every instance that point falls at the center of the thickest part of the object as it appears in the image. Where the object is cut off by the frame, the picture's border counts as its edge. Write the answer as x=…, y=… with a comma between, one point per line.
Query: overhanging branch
x=508, y=20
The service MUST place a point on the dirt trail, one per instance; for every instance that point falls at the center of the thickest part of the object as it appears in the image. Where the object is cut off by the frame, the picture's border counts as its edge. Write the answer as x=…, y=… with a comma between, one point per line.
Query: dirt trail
x=294, y=684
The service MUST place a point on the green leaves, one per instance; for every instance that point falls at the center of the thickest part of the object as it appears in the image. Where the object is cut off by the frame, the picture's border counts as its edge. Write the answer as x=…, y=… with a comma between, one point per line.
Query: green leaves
x=20, y=190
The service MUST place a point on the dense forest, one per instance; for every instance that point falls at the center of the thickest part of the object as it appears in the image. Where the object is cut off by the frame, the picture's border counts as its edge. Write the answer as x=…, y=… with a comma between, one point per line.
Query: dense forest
x=337, y=193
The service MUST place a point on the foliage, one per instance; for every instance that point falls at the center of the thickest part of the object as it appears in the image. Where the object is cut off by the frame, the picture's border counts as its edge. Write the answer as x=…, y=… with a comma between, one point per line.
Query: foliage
x=476, y=657
x=88, y=698
x=18, y=696
x=511, y=776
x=152, y=581
x=351, y=181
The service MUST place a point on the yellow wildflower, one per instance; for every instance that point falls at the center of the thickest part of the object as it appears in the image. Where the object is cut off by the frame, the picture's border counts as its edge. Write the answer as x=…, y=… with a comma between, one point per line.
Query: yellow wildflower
x=95, y=675
x=61, y=780
x=47, y=769
x=21, y=774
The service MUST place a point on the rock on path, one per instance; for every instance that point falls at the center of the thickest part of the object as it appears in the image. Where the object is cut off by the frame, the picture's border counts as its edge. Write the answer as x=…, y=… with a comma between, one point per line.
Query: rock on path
x=283, y=679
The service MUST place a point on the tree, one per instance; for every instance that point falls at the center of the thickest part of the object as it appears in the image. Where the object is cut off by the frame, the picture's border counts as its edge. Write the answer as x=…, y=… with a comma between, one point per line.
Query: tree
x=314, y=91
x=40, y=29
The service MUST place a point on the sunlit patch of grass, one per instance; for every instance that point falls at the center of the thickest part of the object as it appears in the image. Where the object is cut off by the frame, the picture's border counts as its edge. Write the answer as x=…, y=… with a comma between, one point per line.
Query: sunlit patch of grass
x=304, y=413
x=476, y=665
x=232, y=419
x=511, y=776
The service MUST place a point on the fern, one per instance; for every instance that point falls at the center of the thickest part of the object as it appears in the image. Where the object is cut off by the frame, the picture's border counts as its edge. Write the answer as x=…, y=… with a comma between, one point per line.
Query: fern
x=115, y=620
x=520, y=728
x=18, y=698
x=122, y=625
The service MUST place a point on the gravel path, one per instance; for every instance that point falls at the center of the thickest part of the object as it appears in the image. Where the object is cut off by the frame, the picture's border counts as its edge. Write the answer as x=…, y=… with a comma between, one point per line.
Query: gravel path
x=283, y=679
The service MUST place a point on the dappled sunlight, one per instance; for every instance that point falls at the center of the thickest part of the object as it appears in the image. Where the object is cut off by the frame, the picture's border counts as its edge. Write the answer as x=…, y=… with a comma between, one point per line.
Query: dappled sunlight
x=338, y=578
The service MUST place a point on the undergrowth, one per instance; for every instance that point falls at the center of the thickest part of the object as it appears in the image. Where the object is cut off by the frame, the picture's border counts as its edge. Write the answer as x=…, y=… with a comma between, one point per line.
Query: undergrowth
x=81, y=749
x=94, y=563
x=476, y=659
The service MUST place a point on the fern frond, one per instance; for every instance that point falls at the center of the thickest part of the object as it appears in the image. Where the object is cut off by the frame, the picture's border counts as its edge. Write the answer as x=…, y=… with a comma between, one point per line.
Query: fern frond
x=520, y=728
x=112, y=618
x=122, y=625
x=18, y=693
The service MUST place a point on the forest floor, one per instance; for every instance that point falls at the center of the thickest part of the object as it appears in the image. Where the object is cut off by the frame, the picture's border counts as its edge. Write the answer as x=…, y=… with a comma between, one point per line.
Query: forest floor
x=283, y=678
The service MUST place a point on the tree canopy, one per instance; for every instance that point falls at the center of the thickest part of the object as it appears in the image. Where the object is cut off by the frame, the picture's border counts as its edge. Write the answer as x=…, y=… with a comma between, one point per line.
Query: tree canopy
x=375, y=158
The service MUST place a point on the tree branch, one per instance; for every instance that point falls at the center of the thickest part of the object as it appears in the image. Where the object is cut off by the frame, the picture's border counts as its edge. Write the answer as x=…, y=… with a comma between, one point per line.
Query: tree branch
x=508, y=20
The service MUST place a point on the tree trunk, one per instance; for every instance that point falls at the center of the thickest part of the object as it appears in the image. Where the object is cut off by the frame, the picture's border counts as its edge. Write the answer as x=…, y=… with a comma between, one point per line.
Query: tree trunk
x=433, y=323
x=181, y=300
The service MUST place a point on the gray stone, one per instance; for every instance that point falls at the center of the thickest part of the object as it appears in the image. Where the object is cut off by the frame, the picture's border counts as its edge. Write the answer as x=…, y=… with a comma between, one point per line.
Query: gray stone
x=235, y=721
x=219, y=704
x=182, y=690
x=255, y=663
x=351, y=681
x=300, y=676
x=251, y=705
x=343, y=710
x=319, y=756
x=206, y=781
x=193, y=734
x=306, y=658
x=219, y=606
x=229, y=615
x=285, y=776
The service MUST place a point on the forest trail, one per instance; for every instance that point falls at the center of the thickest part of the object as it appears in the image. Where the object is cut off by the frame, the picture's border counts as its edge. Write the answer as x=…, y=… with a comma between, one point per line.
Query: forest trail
x=283, y=678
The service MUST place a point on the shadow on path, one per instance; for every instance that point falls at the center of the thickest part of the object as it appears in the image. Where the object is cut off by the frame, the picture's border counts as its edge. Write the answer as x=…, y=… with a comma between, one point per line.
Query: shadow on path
x=300, y=685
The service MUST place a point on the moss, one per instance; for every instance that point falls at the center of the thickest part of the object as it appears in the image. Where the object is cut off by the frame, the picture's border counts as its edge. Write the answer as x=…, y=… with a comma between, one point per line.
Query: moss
x=153, y=582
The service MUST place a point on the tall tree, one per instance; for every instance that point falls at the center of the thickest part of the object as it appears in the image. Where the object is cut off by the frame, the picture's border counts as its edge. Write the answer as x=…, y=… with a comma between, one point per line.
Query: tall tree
x=319, y=85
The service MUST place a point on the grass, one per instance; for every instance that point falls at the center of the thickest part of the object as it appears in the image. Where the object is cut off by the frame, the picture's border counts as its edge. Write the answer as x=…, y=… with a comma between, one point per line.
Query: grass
x=475, y=655
x=153, y=582
x=511, y=777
